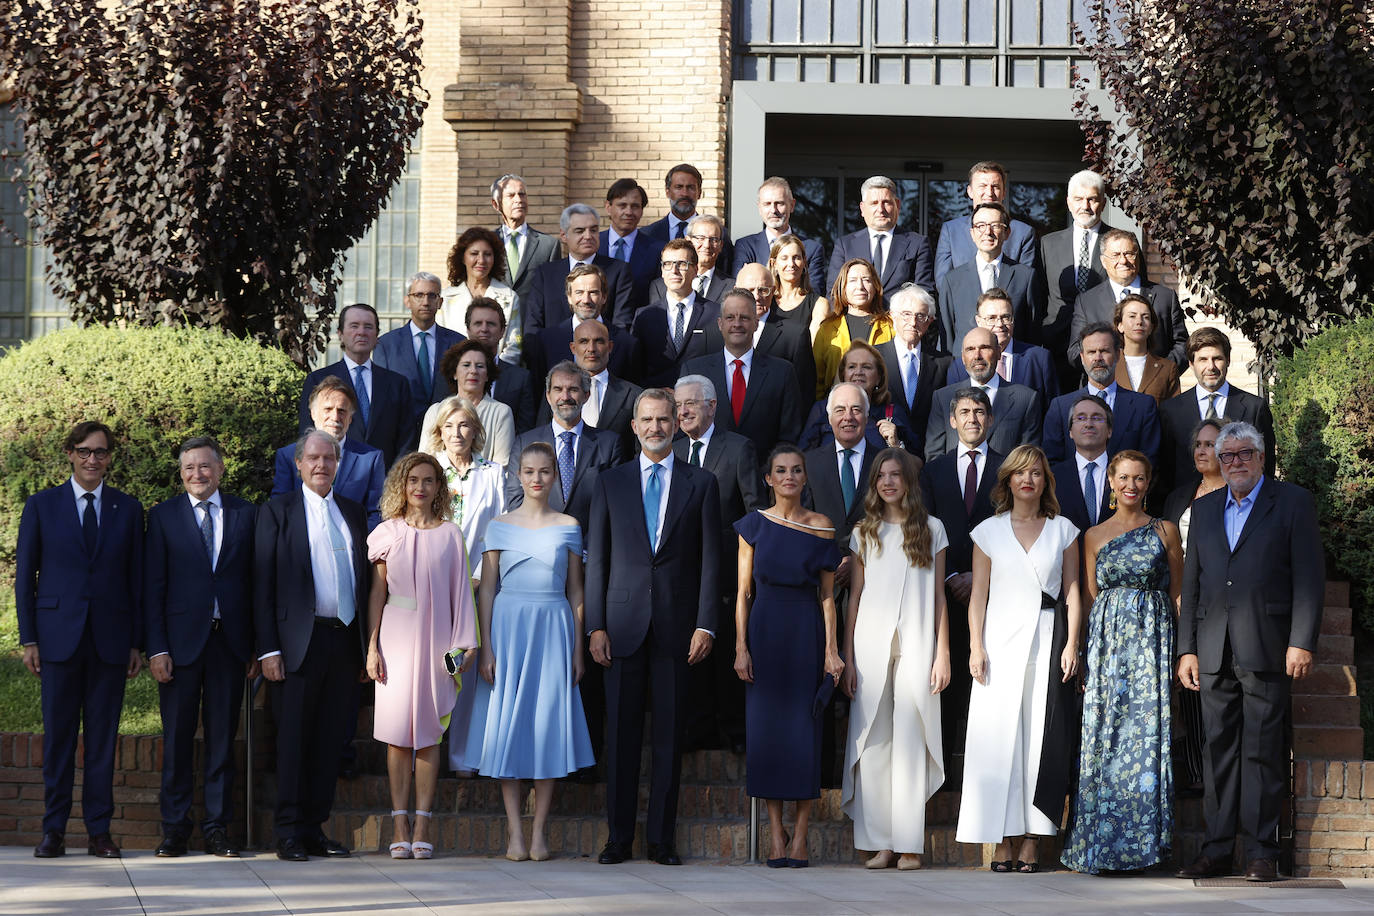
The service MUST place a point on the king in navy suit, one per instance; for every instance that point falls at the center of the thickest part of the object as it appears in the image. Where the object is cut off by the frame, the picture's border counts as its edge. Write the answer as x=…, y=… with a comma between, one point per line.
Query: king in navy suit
x=77, y=586
x=361, y=472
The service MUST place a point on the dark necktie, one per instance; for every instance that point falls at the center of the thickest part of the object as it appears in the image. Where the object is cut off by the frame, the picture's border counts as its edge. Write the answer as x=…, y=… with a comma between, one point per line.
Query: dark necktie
x=681, y=230
x=847, y=485
x=1084, y=273
x=695, y=460
x=360, y=389
x=207, y=530
x=1211, y=406
x=567, y=463
x=422, y=363
x=970, y=482
x=1090, y=492
x=90, y=526
x=678, y=328
x=878, y=254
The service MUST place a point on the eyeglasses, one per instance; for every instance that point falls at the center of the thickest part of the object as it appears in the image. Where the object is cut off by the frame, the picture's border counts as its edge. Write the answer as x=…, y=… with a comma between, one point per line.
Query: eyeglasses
x=705, y=239
x=427, y=297
x=100, y=454
x=758, y=290
x=1086, y=417
x=1119, y=255
x=989, y=227
x=676, y=266
x=996, y=319
x=1243, y=455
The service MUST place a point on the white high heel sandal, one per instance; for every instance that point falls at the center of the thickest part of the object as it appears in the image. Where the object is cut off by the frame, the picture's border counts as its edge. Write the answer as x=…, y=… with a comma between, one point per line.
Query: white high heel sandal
x=402, y=849
x=421, y=849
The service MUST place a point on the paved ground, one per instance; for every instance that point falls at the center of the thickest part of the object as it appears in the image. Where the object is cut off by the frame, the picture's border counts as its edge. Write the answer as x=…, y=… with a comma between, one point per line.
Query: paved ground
x=199, y=885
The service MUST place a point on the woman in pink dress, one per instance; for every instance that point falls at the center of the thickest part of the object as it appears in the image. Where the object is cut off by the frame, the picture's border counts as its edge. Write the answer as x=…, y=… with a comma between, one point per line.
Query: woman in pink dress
x=421, y=610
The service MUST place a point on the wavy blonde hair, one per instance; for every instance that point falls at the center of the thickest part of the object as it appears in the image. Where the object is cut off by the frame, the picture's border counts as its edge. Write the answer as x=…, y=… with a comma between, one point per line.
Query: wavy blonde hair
x=455, y=403
x=1021, y=458
x=916, y=538
x=394, y=492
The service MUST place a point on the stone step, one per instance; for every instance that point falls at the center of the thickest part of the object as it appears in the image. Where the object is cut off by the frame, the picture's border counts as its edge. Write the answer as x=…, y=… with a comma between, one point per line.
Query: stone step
x=1334, y=649
x=1337, y=594
x=1336, y=619
x=1330, y=711
x=1328, y=742
x=1327, y=681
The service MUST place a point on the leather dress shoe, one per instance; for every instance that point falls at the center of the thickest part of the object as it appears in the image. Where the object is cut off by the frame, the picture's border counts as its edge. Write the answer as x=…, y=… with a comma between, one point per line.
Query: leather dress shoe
x=102, y=847
x=171, y=847
x=663, y=855
x=217, y=844
x=325, y=847
x=1205, y=867
x=291, y=850
x=1261, y=870
x=51, y=846
x=614, y=854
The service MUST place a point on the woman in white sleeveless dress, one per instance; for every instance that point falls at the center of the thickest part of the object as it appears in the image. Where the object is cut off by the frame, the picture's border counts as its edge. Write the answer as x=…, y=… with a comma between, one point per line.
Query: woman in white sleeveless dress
x=896, y=664
x=1025, y=566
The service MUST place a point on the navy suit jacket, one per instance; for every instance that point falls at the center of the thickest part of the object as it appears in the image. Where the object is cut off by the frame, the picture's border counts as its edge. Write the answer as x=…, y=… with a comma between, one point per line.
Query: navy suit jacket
x=1135, y=425
x=1031, y=366
x=630, y=585
x=1073, y=504
x=753, y=249
x=540, y=248
x=390, y=422
x=597, y=452
x=556, y=346
x=644, y=268
x=284, y=582
x=955, y=247
x=653, y=329
x=772, y=410
x=788, y=341
x=944, y=499
x=58, y=585
x=959, y=292
x=515, y=387
x=360, y=476
x=180, y=589
x=547, y=304
x=906, y=259
x=1017, y=419
x=911, y=418
x=658, y=230
x=1169, y=338
x=396, y=351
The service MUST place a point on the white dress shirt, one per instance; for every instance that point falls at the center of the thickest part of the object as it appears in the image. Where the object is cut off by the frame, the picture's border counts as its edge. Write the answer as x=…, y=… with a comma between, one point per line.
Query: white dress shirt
x=318, y=510
x=747, y=359
x=1078, y=233
x=1099, y=480
x=993, y=385
x=591, y=410
x=522, y=237
x=705, y=440
x=79, y=492
x=689, y=303
x=558, y=431
x=349, y=365
x=856, y=462
x=989, y=272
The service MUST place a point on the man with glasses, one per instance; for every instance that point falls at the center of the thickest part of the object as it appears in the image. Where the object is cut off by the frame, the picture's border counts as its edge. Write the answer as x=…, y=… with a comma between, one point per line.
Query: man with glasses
x=776, y=205
x=666, y=328
x=1121, y=260
x=991, y=267
x=414, y=350
x=526, y=247
x=987, y=184
x=1251, y=609
x=707, y=234
x=914, y=369
x=1081, y=480
x=78, y=569
x=1020, y=362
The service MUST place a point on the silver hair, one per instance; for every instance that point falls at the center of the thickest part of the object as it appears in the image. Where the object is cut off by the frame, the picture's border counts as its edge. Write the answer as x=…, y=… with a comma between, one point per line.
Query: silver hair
x=498, y=187
x=707, y=218
x=1243, y=432
x=830, y=398
x=422, y=276
x=879, y=181
x=708, y=387
x=1090, y=180
x=776, y=182
x=568, y=367
x=911, y=291
x=571, y=210
x=313, y=433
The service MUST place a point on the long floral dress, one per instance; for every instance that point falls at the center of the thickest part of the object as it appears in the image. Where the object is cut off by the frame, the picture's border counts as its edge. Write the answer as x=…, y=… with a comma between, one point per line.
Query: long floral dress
x=1123, y=814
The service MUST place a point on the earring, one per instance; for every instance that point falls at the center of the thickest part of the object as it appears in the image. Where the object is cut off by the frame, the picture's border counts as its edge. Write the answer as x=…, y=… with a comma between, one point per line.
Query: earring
x=1111, y=501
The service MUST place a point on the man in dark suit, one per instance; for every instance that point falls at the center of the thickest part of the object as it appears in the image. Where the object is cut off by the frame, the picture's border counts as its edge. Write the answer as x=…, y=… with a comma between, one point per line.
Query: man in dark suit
x=587, y=299
x=415, y=348
x=610, y=400
x=1135, y=421
x=526, y=247
x=198, y=622
x=383, y=397
x=945, y=489
x=1019, y=363
x=1081, y=480
x=1016, y=409
x=786, y=340
x=77, y=586
x=624, y=242
x=760, y=391
x=898, y=257
x=1121, y=260
x=665, y=330
x=311, y=585
x=515, y=386
x=990, y=268
x=987, y=184
x=1072, y=261
x=776, y=204
x=914, y=368
x=547, y=304
x=717, y=692
x=1209, y=354
x=682, y=188
x=1253, y=584
x=706, y=233
x=361, y=472
x=652, y=601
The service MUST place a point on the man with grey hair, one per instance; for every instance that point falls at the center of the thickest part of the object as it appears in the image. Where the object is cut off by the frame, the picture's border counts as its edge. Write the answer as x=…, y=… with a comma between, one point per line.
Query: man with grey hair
x=914, y=369
x=706, y=232
x=547, y=303
x=1251, y=609
x=1018, y=409
x=414, y=350
x=776, y=204
x=897, y=257
x=526, y=247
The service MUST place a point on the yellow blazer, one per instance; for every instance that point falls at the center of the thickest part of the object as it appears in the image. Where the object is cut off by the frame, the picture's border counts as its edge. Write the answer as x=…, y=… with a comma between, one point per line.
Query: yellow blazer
x=1159, y=380
x=832, y=342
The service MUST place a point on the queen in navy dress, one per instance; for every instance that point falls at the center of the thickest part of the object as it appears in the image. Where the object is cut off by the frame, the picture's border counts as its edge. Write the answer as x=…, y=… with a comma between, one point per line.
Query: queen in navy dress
x=785, y=648
x=527, y=720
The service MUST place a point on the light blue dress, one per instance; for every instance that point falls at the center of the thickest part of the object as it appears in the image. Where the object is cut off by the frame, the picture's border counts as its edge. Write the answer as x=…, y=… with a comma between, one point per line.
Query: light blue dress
x=529, y=724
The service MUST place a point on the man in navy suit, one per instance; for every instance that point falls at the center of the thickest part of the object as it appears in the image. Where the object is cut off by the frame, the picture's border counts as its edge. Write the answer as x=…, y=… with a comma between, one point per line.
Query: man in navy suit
x=361, y=472
x=586, y=287
x=706, y=232
x=624, y=242
x=383, y=396
x=1019, y=363
x=1081, y=480
x=526, y=247
x=666, y=329
x=652, y=598
x=776, y=205
x=1072, y=262
x=310, y=589
x=1135, y=421
x=547, y=304
x=77, y=584
x=1016, y=411
x=987, y=184
x=415, y=348
x=198, y=621
x=1121, y=259
x=682, y=188
x=914, y=369
x=992, y=267
x=898, y=257
x=610, y=400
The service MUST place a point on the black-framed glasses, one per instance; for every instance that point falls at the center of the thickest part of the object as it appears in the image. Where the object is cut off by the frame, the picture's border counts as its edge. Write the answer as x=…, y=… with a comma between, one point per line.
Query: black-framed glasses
x=100, y=454
x=1243, y=455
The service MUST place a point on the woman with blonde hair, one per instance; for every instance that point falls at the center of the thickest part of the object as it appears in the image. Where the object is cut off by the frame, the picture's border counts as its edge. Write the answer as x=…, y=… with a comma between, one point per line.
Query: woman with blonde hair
x=896, y=655
x=857, y=312
x=470, y=368
x=793, y=297
x=420, y=614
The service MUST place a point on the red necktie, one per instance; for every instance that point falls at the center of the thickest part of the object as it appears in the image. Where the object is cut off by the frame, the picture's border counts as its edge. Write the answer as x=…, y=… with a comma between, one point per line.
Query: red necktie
x=737, y=391
x=970, y=482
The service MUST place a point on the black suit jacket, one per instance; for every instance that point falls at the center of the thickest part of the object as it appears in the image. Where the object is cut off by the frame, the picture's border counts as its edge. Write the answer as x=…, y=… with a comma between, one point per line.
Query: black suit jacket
x=788, y=341
x=753, y=249
x=911, y=419
x=1073, y=504
x=772, y=411
x=1135, y=425
x=390, y=422
x=180, y=589
x=907, y=258
x=735, y=464
x=556, y=346
x=597, y=452
x=547, y=303
x=515, y=387
x=540, y=248
x=617, y=410
x=824, y=494
x=1016, y=420
x=654, y=331
x=1261, y=597
x=284, y=583
x=959, y=292
x=632, y=586
x=1180, y=414
x=944, y=499
x=1169, y=338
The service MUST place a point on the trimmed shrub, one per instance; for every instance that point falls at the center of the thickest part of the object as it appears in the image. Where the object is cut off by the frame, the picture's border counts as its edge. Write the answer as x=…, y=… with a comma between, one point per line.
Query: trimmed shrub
x=1324, y=423
x=154, y=387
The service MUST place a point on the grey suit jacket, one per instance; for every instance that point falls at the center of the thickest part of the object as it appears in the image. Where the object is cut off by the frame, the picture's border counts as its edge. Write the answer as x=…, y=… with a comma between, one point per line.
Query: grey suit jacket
x=1060, y=263
x=540, y=248
x=1170, y=337
x=958, y=301
x=1017, y=415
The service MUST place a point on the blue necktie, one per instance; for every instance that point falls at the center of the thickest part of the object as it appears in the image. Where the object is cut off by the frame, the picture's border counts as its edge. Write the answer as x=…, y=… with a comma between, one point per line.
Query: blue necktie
x=620, y=250
x=422, y=363
x=1090, y=493
x=360, y=388
x=847, y=485
x=343, y=563
x=652, y=491
x=911, y=378
x=566, y=463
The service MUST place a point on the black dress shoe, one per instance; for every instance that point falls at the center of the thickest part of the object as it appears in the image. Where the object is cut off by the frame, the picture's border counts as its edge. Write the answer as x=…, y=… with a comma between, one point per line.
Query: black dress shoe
x=1261, y=870
x=614, y=854
x=325, y=847
x=663, y=855
x=217, y=844
x=171, y=847
x=51, y=846
x=102, y=847
x=291, y=850
x=1205, y=867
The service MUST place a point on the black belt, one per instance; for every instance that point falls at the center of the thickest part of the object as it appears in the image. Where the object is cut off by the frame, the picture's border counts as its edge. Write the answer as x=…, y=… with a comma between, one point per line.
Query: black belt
x=1046, y=601
x=333, y=623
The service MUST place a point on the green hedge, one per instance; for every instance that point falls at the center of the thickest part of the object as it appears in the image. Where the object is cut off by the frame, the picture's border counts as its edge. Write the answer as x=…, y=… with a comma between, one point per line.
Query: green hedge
x=1324, y=422
x=154, y=387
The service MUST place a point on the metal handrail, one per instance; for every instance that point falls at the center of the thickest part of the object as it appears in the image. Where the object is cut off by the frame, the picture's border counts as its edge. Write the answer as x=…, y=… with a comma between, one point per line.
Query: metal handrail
x=249, y=695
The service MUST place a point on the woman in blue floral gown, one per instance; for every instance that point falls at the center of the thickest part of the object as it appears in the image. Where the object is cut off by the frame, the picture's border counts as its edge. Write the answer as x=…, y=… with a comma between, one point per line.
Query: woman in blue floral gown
x=1123, y=812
